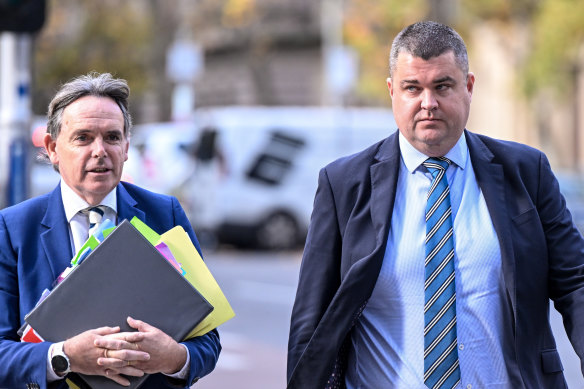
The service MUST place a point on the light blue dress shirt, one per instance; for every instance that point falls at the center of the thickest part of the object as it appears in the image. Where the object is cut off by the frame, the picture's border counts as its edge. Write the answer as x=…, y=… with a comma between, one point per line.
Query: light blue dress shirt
x=388, y=339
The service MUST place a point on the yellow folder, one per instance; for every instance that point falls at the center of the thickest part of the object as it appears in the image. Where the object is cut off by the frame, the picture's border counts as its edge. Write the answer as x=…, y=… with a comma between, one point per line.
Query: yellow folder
x=200, y=277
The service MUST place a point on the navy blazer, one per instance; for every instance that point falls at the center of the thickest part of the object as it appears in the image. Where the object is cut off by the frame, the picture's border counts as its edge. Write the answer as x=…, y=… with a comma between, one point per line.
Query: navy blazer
x=542, y=255
x=35, y=248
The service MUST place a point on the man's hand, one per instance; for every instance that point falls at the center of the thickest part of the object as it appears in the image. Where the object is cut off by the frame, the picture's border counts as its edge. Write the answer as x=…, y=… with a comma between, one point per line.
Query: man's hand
x=166, y=355
x=84, y=356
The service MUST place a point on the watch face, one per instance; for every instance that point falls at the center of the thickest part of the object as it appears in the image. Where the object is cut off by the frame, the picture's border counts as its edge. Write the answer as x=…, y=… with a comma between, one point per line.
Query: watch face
x=59, y=363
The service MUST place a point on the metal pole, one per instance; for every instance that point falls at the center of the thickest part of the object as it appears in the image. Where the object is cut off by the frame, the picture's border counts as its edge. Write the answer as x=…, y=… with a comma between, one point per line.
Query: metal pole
x=15, y=116
x=331, y=22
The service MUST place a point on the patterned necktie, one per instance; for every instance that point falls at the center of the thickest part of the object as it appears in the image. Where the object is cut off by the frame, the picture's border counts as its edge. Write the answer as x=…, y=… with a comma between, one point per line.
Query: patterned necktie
x=95, y=215
x=440, y=346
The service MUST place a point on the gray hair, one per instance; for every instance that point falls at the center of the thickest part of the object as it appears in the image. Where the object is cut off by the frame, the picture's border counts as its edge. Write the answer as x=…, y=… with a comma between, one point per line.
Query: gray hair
x=92, y=84
x=427, y=40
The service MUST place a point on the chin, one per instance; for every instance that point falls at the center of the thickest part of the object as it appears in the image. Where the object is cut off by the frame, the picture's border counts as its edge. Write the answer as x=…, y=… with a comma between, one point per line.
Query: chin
x=102, y=188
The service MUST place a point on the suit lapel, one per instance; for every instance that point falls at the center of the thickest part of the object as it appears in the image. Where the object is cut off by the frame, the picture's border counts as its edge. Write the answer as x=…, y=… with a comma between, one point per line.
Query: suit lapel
x=384, y=175
x=491, y=179
x=127, y=206
x=55, y=238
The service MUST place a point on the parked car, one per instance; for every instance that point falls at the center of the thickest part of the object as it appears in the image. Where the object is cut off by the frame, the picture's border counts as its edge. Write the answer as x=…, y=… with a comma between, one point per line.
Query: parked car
x=256, y=185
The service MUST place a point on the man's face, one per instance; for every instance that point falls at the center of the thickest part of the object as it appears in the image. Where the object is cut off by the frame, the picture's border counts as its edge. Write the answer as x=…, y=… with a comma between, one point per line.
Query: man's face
x=91, y=148
x=431, y=101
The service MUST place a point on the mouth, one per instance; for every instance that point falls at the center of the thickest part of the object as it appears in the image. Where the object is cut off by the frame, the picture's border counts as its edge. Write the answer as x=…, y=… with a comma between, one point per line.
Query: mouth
x=99, y=170
x=428, y=121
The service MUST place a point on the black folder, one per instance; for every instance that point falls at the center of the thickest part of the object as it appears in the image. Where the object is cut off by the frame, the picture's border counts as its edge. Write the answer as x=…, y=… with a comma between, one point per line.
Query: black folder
x=124, y=276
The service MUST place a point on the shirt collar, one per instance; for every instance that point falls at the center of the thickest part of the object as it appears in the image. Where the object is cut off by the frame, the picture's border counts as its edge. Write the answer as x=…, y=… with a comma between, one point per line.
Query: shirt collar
x=413, y=158
x=73, y=203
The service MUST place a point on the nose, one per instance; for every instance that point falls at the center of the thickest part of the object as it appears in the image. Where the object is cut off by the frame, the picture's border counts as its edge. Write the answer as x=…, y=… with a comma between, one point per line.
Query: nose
x=98, y=148
x=429, y=101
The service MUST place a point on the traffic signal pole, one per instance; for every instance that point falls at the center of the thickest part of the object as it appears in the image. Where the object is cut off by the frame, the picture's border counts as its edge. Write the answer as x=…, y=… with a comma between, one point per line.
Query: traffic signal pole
x=19, y=20
x=15, y=116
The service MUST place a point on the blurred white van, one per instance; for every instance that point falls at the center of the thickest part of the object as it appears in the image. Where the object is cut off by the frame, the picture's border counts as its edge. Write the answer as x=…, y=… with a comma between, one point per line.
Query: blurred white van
x=248, y=175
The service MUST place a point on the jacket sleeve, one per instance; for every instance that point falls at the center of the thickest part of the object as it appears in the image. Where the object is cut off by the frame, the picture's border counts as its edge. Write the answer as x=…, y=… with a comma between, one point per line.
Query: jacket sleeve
x=203, y=350
x=22, y=363
x=319, y=273
x=566, y=256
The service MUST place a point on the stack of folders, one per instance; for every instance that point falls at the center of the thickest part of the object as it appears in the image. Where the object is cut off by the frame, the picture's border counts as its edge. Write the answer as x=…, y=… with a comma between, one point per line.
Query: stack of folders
x=127, y=275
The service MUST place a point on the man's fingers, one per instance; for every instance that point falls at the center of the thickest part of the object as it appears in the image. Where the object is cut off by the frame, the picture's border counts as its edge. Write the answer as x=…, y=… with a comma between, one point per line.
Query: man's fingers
x=130, y=355
x=126, y=368
x=112, y=357
x=131, y=371
x=118, y=341
x=106, y=330
x=112, y=375
x=140, y=325
x=134, y=337
x=109, y=343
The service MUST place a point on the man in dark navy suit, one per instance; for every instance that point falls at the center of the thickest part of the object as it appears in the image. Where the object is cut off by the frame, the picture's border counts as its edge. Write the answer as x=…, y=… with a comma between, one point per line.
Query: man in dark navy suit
x=363, y=315
x=87, y=142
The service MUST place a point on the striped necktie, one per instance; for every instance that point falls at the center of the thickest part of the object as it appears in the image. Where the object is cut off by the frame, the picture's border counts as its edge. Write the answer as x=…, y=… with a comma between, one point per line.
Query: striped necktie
x=95, y=215
x=441, y=368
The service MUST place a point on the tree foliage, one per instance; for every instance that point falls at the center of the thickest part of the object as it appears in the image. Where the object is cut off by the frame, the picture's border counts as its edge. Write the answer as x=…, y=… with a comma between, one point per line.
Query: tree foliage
x=556, y=28
x=128, y=38
x=557, y=47
x=369, y=27
x=68, y=46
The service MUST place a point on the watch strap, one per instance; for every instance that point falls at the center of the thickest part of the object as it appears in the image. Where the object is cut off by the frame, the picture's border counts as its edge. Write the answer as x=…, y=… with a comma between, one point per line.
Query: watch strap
x=58, y=354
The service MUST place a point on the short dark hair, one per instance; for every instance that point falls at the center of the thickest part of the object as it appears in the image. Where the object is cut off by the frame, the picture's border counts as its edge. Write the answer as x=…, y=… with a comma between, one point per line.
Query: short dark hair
x=92, y=84
x=426, y=40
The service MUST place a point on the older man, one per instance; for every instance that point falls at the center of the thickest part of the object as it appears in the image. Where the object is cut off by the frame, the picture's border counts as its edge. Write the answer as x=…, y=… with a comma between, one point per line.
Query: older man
x=87, y=142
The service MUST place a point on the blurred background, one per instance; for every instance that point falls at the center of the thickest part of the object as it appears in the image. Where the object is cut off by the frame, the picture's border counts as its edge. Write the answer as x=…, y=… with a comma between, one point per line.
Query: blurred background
x=239, y=103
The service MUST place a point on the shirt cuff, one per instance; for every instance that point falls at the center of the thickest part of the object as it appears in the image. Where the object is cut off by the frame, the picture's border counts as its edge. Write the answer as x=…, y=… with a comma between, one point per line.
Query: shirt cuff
x=51, y=375
x=183, y=373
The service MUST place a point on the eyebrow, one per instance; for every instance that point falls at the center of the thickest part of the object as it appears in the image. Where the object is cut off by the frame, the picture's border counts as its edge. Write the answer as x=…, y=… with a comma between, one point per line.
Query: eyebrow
x=444, y=79
x=409, y=82
x=437, y=81
x=88, y=131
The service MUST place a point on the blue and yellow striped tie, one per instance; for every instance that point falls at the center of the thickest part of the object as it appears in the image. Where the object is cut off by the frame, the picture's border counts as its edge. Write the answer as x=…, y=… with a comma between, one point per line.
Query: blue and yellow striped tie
x=441, y=368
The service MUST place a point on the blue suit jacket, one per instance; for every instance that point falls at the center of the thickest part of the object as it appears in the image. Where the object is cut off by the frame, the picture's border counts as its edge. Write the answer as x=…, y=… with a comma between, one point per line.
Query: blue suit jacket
x=542, y=256
x=35, y=248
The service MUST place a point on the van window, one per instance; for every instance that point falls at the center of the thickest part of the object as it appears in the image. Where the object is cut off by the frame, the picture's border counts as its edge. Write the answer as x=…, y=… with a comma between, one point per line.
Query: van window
x=273, y=163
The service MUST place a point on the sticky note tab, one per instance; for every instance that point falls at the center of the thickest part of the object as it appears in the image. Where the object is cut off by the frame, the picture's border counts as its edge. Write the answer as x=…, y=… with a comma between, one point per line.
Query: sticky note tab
x=148, y=232
x=166, y=253
x=89, y=245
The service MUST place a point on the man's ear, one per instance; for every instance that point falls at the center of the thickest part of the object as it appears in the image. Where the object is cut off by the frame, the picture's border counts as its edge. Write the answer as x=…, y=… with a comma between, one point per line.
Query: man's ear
x=470, y=79
x=51, y=148
x=390, y=87
x=126, y=149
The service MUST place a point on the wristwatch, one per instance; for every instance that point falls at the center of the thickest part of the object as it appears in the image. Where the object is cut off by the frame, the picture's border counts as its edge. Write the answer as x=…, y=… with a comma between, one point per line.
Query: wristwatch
x=59, y=360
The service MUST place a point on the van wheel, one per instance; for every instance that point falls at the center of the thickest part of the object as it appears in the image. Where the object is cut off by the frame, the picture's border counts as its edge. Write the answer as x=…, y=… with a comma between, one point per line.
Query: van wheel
x=278, y=232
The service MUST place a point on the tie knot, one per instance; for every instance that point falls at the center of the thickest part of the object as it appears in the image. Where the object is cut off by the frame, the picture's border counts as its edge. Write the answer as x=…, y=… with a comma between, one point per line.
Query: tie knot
x=95, y=214
x=437, y=164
